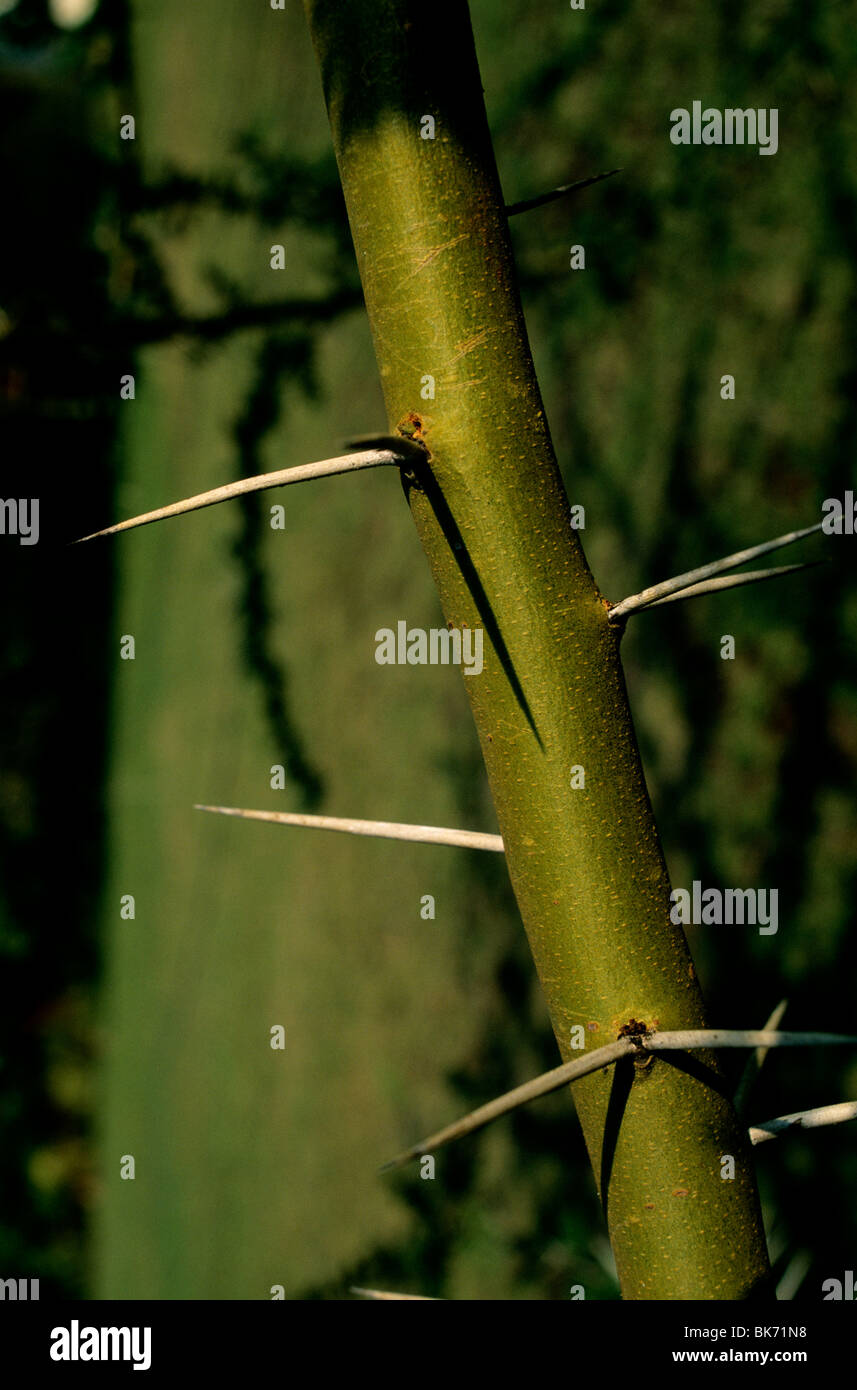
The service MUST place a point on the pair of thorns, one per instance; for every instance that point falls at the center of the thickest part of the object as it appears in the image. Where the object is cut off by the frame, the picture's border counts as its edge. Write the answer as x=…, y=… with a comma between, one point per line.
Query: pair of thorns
x=396, y=451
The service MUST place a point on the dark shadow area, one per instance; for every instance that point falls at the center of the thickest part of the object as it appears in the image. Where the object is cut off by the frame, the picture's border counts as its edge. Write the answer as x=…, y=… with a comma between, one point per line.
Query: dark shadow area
x=454, y=539
x=58, y=399
x=284, y=360
x=621, y=1082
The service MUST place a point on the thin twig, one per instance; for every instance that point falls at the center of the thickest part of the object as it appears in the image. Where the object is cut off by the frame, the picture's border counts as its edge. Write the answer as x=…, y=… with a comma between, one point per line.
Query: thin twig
x=526, y=204
x=646, y=597
x=605, y=1057
x=730, y=581
x=405, y=453
x=804, y=1119
x=381, y=829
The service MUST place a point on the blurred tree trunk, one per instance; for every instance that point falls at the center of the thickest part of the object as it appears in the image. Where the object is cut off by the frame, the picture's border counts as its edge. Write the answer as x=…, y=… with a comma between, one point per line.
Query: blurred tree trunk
x=255, y=1167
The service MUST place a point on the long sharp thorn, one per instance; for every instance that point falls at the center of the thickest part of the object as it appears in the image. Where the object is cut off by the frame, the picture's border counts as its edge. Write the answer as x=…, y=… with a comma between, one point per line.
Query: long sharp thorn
x=742, y=1037
x=730, y=581
x=679, y=1041
x=345, y=463
x=756, y=1060
x=530, y=1090
x=793, y=1276
x=646, y=597
x=397, y=442
x=383, y=1294
x=381, y=829
x=804, y=1119
x=526, y=204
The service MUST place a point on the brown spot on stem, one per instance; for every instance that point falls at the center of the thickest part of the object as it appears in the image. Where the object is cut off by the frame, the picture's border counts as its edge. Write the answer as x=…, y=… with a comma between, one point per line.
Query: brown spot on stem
x=633, y=1029
x=412, y=426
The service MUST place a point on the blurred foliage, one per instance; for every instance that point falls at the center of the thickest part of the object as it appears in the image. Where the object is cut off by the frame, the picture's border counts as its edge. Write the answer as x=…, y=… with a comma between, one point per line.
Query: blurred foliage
x=699, y=262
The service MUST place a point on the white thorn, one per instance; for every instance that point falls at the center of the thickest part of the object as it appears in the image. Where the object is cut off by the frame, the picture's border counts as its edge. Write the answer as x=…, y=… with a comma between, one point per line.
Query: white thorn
x=381, y=829
x=646, y=597
x=345, y=463
x=804, y=1119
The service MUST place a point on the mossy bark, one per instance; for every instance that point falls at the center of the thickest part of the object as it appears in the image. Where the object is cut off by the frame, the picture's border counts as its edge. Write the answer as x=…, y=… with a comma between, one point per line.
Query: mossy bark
x=431, y=237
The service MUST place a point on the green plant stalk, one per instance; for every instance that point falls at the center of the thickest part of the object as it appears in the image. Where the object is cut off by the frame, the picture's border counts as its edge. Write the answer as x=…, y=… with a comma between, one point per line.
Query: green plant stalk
x=432, y=243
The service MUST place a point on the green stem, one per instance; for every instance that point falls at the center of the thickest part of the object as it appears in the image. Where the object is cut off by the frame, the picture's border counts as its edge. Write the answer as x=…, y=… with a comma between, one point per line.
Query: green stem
x=433, y=249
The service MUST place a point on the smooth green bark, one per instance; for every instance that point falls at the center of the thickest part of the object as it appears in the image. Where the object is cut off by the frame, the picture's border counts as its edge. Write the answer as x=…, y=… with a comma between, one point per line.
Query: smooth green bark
x=586, y=864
